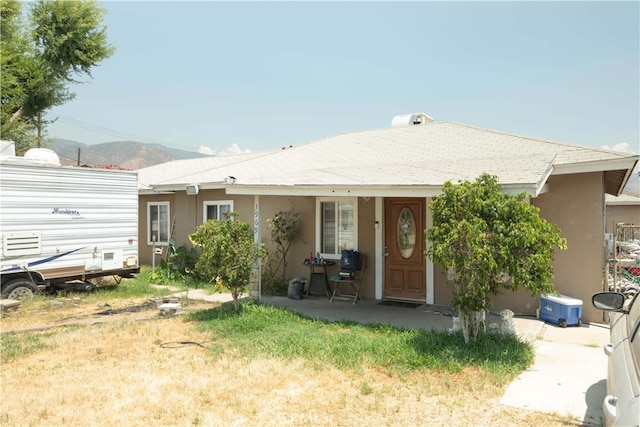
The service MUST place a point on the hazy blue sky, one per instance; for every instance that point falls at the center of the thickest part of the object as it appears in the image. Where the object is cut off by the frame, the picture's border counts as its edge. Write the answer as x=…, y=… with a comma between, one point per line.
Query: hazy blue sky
x=262, y=75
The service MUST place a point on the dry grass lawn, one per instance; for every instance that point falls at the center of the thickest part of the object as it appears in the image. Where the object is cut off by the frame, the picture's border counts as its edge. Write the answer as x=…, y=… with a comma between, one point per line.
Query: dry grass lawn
x=141, y=369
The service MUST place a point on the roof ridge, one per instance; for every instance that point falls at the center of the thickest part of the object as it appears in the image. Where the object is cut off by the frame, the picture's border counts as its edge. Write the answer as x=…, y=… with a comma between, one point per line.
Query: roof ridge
x=548, y=141
x=351, y=132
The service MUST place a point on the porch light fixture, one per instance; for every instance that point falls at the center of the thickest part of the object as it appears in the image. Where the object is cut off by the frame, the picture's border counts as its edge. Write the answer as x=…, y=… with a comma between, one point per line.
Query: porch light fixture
x=192, y=189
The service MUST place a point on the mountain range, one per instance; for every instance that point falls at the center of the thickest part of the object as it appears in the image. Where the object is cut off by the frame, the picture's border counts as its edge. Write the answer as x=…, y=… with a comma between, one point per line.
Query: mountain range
x=121, y=154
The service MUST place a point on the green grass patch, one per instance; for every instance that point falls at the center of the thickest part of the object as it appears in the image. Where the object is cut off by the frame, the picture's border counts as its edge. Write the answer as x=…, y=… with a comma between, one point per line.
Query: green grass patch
x=261, y=330
x=127, y=289
x=13, y=346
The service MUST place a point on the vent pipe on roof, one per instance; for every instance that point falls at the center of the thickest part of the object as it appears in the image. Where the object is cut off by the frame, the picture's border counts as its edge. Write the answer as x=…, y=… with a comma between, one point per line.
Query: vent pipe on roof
x=411, y=119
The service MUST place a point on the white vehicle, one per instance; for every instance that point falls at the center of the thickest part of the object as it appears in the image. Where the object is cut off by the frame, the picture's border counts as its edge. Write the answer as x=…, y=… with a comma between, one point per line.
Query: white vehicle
x=61, y=226
x=621, y=405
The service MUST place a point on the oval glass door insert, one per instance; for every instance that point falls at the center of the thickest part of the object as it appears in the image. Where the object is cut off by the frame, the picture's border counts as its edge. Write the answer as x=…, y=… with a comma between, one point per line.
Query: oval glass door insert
x=406, y=233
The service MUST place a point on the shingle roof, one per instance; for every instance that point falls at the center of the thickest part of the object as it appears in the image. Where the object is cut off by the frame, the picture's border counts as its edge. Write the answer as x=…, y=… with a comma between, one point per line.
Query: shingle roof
x=412, y=156
x=189, y=171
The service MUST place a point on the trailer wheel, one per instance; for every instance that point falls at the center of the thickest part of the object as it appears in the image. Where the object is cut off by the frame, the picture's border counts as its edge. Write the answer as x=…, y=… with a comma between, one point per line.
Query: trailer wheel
x=19, y=289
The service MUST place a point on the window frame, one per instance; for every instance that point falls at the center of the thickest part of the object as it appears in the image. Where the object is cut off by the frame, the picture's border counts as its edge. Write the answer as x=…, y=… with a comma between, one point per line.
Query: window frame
x=168, y=222
x=320, y=225
x=218, y=203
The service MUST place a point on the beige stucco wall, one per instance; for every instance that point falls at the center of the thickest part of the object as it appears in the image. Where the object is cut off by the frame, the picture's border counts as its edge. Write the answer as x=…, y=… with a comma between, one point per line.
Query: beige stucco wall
x=441, y=291
x=366, y=245
x=301, y=248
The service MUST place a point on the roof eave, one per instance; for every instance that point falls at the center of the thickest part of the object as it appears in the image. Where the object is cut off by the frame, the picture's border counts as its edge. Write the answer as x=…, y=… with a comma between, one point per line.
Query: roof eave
x=623, y=203
x=172, y=188
x=617, y=171
x=627, y=176
x=531, y=189
x=596, y=166
x=148, y=192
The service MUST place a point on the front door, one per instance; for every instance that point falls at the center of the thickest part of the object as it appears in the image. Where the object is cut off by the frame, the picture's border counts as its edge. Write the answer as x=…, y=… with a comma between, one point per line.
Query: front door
x=405, y=263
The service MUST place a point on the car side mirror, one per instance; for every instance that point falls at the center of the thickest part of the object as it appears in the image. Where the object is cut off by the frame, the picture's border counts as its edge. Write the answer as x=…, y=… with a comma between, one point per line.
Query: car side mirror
x=608, y=301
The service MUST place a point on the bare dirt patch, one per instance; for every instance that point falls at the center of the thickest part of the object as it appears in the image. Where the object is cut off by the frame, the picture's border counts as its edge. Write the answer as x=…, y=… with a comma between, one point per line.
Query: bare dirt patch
x=47, y=312
x=160, y=371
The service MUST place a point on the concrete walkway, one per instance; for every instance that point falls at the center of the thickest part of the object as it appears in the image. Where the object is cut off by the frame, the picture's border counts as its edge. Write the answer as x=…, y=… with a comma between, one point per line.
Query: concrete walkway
x=568, y=376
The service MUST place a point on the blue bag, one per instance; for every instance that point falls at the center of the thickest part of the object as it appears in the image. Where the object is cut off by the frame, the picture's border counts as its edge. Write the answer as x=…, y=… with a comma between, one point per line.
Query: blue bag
x=350, y=260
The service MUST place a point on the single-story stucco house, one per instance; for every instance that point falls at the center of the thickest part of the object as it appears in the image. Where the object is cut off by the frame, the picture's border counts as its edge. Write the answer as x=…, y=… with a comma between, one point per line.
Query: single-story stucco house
x=353, y=189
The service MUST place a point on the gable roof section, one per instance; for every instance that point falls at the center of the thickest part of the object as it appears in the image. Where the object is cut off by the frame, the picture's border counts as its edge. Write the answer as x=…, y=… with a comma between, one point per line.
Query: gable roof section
x=403, y=161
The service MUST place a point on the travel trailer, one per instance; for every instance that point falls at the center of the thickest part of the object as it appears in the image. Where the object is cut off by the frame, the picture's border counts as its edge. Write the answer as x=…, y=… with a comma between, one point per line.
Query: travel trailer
x=61, y=226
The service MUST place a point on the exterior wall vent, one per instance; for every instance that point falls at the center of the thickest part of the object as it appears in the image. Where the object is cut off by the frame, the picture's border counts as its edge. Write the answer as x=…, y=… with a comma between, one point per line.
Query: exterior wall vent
x=22, y=243
x=411, y=120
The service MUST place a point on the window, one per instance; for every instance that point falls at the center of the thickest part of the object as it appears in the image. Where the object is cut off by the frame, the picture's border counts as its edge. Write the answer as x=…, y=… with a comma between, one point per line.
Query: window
x=217, y=209
x=158, y=223
x=336, y=225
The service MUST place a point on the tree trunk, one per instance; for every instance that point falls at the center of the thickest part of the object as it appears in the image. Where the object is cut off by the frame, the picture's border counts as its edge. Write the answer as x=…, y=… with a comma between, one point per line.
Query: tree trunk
x=236, y=298
x=16, y=115
x=464, y=325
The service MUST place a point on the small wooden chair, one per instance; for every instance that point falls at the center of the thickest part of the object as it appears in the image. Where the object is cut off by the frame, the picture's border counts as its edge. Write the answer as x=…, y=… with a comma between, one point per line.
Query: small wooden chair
x=348, y=288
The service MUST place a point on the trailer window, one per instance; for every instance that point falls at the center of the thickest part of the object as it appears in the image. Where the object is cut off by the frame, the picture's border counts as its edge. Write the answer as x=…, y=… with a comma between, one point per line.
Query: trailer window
x=218, y=209
x=158, y=223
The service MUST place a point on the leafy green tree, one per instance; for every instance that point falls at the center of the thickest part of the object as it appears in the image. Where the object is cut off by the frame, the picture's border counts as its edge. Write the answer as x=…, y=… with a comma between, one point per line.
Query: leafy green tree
x=14, y=71
x=228, y=254
x=285, y=229
x=69, y=36
x=59, y=43
x=493, y=243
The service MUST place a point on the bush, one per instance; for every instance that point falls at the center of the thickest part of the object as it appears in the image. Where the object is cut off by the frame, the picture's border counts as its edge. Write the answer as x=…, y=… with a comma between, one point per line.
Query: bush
x=228, y=254
x=493, y=243
x=177, y=267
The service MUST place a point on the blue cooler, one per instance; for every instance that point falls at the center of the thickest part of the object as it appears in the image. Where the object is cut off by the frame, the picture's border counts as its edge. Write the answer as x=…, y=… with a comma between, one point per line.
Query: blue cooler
x=562, y=310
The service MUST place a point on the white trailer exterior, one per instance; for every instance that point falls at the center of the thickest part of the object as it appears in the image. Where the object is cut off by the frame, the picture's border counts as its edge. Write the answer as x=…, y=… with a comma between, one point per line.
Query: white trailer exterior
x=60, y=224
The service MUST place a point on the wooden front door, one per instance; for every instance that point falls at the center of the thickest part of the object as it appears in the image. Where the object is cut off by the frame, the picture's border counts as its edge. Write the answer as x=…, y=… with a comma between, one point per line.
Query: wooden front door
x=405, y=263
